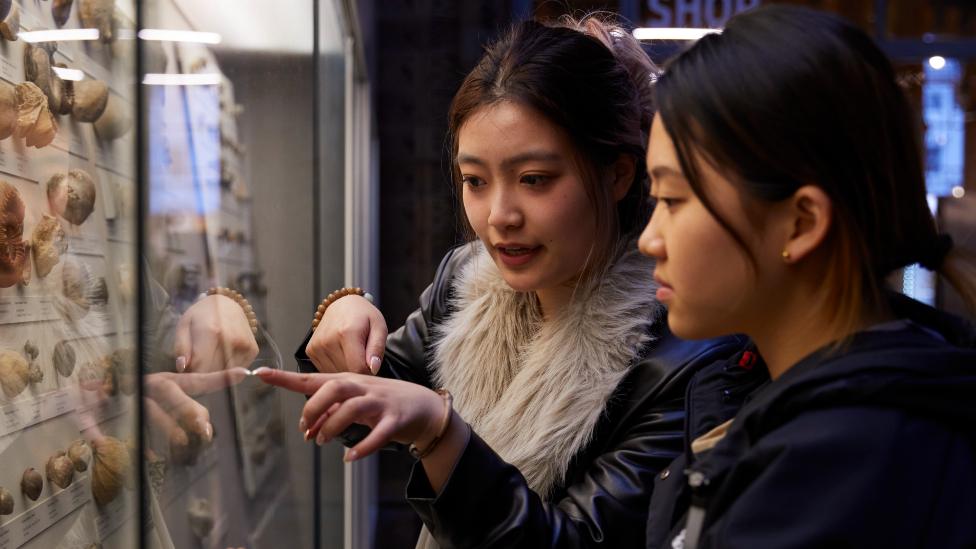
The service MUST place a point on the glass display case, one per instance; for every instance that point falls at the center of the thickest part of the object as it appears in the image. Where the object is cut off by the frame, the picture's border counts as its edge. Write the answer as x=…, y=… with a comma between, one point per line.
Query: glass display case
x=176, y=185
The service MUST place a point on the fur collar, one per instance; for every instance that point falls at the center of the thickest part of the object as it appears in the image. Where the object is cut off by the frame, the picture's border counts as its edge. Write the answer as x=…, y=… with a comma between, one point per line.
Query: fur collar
x=535, y=391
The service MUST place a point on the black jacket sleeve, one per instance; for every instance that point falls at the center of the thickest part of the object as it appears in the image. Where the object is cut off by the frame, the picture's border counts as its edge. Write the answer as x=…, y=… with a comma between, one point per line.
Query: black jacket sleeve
x=487, y=503
x=407, y=349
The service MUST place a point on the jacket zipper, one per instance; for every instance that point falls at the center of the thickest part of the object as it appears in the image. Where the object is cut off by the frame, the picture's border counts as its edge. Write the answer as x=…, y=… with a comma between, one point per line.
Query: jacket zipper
x=698, y=483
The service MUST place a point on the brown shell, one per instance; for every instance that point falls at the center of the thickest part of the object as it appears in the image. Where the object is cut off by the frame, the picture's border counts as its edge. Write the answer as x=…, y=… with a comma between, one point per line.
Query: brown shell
x=13, y=249
x=6, y=502
x=114, y=121
x=71, y=195
x=60, y=471
x=37, y=69
x=48, y=243
x=35, y=122
x=8, y=109
x=31, y=483
x=76, y=282
x=80, y=454
x=61, y=10
x=64, y=358
x=90, y=99
x=111, y=464
x=34, y=373
x=10, y=27
x=98, y=14
x=14, y=373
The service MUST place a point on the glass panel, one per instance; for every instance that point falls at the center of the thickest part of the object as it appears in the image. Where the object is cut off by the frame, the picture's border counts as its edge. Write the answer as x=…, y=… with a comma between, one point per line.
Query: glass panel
x=67, y=274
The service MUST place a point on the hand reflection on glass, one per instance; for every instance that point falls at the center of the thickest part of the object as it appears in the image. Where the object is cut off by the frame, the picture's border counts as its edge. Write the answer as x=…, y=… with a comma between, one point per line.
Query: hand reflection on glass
x=214, y=334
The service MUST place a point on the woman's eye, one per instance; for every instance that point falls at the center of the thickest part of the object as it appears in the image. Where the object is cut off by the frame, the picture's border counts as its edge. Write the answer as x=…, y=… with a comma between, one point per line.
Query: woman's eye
x=534, y=179
x=472, y=181
x=667, y=201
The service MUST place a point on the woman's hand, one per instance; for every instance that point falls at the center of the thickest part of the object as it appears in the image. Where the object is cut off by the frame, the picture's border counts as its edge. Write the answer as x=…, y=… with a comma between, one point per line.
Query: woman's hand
x=214, y=334
x=395, y=410
x=351, y=337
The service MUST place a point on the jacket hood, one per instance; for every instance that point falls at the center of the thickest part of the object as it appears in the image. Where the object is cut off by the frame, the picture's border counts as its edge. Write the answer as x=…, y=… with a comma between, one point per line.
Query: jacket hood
x=925, y=366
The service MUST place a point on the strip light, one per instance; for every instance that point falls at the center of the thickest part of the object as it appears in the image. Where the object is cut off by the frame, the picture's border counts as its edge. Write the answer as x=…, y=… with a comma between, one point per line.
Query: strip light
x=58, y=35
x=166, y=35
x=181, y=79
x=672, y=33
x=68, y=74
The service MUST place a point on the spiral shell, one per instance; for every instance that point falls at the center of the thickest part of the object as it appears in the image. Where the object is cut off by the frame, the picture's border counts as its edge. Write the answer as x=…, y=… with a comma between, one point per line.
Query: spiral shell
x=80, y=454
x=71, y=195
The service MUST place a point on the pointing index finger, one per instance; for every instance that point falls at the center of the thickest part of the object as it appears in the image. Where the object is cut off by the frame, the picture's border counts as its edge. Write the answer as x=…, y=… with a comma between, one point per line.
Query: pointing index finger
x=306, y=384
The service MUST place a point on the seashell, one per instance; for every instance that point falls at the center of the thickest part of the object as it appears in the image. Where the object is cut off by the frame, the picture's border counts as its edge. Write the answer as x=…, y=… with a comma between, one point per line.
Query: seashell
x=98, y=292
x=31, y=483
x=67, y=92
x=99, y=14
x=61, y=10
x=114, y=122
x=35, y=121
x=80, y=454
x=76, y=284
x=111, y=465
x=13, y=249
x=64, y=358
x=90, y=99
x=200, y=517
x=48, y=243
x=97, y=375
x=34, y=373
x=60, y=471
x=71, y=195
x=14, y=373
x=10, y=24
x=37, y=69
x=6, y=502
x=8, y=109
x=31, y=350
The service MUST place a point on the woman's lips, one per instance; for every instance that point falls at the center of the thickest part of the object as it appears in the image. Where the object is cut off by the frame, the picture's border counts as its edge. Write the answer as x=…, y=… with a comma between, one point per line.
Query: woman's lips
x=664, y=291
x=517, y=255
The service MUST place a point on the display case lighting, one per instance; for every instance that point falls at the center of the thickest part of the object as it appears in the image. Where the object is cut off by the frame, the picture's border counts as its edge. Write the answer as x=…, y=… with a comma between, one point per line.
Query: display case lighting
x=181, y=79
x=672, y=33
x=167, y=35
x=58, y=35
x=937, y=62
x=68, y=74
x=958, y=191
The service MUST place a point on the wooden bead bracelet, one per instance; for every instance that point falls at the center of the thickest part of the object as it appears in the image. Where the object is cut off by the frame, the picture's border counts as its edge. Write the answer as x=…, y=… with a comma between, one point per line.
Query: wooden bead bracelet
x=335, y=296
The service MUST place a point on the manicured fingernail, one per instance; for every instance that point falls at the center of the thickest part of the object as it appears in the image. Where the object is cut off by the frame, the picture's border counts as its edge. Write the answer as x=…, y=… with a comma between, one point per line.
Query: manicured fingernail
x=351, y=455
x=208, y=431
x=302, y=425
x=374, y=364
x=320, y=439
x=260, y=370
x=307, y=434
x=180, y=363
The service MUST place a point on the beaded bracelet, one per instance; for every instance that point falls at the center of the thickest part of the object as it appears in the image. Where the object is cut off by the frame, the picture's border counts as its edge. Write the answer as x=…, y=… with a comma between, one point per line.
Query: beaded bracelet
x=252, y=319
x=417, y=453
x=332, y=298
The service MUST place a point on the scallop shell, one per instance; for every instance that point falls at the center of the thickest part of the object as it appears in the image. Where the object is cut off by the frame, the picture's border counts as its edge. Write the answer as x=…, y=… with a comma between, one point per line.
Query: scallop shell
x=90, y=99
x=76, y=283
x=6, y=502
x=8, y=109
x=48, y=243
x=71, y=195
x=13, y=249
x=31, y=483
x=10, y=26
x=114, y=121
x=64, y=358
x=80, y=454
x=61, y=10
x=98, y=14
x=111, y=465
x=60, y=471
x=14, y=373
x=200, y=517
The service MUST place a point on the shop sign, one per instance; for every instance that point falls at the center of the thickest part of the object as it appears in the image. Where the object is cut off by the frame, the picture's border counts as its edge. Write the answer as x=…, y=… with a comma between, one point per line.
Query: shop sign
x=693, y=13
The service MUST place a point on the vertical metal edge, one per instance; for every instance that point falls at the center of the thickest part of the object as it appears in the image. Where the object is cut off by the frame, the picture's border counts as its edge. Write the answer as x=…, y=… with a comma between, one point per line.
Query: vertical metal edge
x=317, y=230
x=142, y=199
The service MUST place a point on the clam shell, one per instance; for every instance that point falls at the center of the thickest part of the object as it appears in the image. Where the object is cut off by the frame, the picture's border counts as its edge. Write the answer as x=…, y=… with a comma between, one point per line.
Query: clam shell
x=114, y=121
x=80, y=454
x=14, y=373
x=71, y=195
x=31, y=483
x=111, y=464
x=60, y=471
x=6, y=502
x=48, y=243
x=64, y=358
x=90, y=100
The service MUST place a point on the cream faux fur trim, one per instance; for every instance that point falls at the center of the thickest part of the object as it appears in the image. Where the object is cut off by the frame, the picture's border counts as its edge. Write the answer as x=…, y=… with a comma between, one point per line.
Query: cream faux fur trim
x=534, y=390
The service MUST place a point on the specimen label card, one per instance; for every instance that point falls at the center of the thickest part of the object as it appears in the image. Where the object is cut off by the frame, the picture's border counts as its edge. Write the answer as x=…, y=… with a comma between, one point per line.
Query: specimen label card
x=17, y=309
x=22, y=414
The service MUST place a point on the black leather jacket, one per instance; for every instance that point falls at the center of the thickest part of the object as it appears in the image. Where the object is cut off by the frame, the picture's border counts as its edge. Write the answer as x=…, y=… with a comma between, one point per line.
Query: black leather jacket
x=603, y=502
